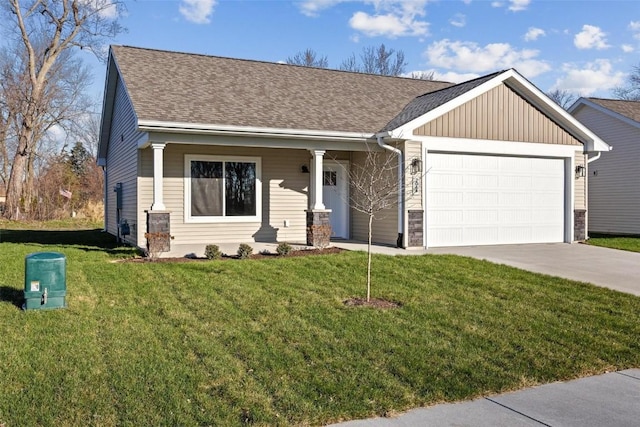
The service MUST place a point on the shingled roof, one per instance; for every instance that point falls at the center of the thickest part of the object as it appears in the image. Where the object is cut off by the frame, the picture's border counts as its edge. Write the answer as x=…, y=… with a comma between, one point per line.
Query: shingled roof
x=188, y=88
x=629, y=109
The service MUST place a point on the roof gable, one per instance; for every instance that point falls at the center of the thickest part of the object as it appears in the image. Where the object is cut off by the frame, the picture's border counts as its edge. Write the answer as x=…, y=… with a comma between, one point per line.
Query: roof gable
x=626, y=111
x=196, y=89
x=518, y=84
x=499, y=114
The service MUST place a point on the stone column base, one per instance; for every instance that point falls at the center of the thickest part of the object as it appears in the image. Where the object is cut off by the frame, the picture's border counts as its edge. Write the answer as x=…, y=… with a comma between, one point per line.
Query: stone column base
x=416, y=232
x=158, y=232
x=318, y=228
x=579, y=225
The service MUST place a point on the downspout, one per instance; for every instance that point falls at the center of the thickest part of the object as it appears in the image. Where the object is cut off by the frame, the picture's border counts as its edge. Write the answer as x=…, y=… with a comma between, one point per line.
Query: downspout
x=594, y=158
x=380, y=139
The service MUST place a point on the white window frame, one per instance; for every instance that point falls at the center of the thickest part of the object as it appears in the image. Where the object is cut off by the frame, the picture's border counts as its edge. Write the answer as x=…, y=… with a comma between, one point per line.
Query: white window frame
x=188, y=158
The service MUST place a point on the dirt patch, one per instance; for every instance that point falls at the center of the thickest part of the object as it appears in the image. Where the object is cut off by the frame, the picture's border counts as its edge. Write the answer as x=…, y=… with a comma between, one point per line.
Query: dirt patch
x=373, y=302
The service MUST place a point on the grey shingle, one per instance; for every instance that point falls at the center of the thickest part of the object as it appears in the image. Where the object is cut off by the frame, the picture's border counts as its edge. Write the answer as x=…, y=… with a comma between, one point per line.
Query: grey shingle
x=630, y=109
x=199, y=89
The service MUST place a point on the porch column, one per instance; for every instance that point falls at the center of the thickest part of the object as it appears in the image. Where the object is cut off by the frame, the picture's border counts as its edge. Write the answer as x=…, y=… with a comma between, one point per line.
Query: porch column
x=158, y=176
x=318, y=224
x=316, y=179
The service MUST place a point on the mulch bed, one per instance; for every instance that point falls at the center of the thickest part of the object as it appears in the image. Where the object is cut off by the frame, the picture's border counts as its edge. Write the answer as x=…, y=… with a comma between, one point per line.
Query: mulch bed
x=294, y=253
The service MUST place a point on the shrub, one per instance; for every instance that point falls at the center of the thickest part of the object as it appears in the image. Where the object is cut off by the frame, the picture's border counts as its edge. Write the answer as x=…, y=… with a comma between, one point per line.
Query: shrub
x=283, y=249
x=212, y=252
x=244, y=251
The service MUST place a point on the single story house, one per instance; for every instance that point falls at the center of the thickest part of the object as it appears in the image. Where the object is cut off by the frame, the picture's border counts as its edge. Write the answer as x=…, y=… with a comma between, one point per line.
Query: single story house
x=614, y=190
x=211, y=150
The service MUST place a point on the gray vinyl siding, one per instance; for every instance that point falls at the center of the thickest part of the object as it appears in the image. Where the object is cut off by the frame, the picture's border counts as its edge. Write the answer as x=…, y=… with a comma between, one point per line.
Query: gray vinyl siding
x=385, y=229
x=122, y=164
x=614, y=185
x=284, y=196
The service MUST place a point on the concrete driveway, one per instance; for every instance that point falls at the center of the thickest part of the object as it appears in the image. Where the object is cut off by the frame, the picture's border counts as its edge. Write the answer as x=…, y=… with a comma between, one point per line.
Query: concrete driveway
x=609, y=268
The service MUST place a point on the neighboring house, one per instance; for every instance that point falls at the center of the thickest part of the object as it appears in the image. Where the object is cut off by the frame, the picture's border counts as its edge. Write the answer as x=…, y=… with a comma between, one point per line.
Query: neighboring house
x=614, y=184
x=220, y=151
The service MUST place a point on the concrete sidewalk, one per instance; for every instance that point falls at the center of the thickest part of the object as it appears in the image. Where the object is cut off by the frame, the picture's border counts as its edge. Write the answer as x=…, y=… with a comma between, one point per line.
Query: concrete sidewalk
x=605, y=400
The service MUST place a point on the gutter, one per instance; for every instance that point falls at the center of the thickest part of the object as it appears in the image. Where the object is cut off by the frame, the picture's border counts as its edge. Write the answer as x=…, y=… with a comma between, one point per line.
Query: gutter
x=380, y=140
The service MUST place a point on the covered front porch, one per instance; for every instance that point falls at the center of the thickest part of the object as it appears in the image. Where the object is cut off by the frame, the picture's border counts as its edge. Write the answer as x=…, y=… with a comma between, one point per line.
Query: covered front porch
x=295, y=194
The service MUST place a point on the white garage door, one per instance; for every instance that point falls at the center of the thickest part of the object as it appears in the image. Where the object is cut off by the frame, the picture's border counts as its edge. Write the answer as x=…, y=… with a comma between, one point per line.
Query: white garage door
x=488, y=200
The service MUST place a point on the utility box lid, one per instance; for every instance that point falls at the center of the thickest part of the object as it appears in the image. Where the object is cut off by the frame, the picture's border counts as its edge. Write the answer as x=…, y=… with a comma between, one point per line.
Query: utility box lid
x=45, y=281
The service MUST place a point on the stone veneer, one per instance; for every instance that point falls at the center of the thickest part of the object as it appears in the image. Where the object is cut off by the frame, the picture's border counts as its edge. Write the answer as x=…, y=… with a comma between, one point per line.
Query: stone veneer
x=579, y=224
x=318, y=228
x=416, y=231
x=158, y=231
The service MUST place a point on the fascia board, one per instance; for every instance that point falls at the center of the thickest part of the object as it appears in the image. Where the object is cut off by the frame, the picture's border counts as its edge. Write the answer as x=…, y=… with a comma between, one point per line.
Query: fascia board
x=592, y=142
x=212, y=129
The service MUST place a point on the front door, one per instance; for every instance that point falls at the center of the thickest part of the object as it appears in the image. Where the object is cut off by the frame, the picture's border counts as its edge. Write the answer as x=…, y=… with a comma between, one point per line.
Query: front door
x=335, y=194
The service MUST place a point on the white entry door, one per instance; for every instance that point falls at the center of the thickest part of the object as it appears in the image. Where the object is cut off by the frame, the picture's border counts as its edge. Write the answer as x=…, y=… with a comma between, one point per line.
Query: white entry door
x=335, y=196
x=489, y=200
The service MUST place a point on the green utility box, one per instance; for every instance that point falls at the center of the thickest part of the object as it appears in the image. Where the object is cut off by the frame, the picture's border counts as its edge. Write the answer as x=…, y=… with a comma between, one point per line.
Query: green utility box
x=45, y=281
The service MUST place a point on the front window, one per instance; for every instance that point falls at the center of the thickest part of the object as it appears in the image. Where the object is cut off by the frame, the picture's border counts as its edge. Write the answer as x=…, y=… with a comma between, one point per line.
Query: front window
x=220, y=189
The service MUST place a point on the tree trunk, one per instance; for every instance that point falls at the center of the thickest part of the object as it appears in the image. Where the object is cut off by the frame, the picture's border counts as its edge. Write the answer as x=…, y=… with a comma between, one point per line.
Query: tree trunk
x=15, y=186
x=369, y=259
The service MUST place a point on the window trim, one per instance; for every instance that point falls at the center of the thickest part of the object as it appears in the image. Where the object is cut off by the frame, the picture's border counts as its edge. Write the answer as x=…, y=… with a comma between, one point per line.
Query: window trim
x=188, y=158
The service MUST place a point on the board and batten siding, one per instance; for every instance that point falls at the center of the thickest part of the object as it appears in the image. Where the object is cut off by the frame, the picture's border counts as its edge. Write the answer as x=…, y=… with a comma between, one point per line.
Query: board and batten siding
x=385, y=229
x=284, y=196
x=614, y=184
x=499, y=115
x=122, y=165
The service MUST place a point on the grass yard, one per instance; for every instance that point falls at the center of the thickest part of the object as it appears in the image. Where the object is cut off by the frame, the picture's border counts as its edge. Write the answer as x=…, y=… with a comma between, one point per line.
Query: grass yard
x=625, y=243
x=270, y=342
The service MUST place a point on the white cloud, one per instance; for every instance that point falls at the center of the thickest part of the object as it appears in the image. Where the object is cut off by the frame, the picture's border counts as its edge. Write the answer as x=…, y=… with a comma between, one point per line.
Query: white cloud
x=459, y=20
x=634, y=26
x=197, y=11
x=591, y=37
x=387, y=25
x=590, y=78
x=518, y=5
x=314, y=7
x=627, y=48
x=471, y=57
x=392, y=18
x=514, y=5
x=534, y=33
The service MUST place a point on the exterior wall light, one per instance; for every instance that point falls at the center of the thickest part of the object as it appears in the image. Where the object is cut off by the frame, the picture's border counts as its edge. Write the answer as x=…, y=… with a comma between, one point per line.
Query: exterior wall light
x=416, y=166
x=304, y=169
x=581, y=171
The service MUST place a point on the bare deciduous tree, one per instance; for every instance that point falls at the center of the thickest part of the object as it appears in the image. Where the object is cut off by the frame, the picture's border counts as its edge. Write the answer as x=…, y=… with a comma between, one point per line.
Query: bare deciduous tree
x=631, y=90
x=563, y=98
x=377, y=60
x=308, y=58
x=46, y=34
x=423, y=75
x=374, y=192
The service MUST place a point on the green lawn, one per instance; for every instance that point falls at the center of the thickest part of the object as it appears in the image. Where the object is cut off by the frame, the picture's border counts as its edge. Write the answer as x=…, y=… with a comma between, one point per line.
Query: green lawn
x=625, y=243
x=270, y=342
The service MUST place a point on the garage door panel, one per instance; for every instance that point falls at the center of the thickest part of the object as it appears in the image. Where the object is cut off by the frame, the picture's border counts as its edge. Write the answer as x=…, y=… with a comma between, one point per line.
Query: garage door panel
x=483, y=200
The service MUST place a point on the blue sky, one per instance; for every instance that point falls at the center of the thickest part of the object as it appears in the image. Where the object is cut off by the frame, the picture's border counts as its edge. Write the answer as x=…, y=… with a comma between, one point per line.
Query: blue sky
x=585, y=47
